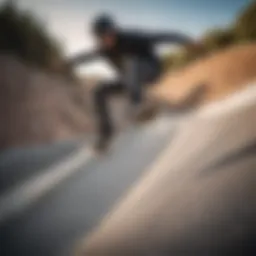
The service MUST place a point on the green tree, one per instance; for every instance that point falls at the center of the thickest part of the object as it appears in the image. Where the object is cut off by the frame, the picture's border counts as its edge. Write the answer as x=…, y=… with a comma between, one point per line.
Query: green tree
x=246, y=23
x=23, y=35
x=219, y=39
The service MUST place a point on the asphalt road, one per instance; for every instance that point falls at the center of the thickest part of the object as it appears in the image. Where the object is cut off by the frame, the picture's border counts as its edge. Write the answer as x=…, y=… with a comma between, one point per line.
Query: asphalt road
x=58, y=219
x=172, y=187
x=199, y=197
x=17, y=165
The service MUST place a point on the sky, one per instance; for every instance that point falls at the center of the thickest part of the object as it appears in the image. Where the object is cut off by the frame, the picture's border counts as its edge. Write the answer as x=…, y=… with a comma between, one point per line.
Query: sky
x=69, y=20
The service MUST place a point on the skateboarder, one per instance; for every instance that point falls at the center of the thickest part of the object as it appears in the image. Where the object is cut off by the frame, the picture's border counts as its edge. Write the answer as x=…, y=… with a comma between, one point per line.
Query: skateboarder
x=132, y=54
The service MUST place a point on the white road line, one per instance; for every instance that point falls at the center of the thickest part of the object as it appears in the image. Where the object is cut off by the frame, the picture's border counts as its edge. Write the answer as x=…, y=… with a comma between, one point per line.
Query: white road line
x=22, y=196
x=241, y=99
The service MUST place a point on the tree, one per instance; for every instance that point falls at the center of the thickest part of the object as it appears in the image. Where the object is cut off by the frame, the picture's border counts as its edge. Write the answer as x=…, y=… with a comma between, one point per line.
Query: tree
x=219, y=38
x=246, y=23
x=23, y=35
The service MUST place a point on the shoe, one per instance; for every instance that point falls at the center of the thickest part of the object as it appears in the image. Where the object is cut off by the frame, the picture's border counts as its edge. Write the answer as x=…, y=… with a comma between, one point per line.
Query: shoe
x=143, y=112
x=102, y=144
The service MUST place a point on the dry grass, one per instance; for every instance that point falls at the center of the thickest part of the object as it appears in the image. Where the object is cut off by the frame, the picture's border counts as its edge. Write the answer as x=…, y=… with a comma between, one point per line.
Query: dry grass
x=222, y=74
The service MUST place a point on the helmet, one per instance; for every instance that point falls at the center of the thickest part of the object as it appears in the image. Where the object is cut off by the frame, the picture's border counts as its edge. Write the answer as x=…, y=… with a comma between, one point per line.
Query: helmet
x=102, y=24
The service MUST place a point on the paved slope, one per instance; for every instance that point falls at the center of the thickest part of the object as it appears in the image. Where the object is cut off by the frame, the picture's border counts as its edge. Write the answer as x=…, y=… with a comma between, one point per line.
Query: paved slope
x=55, y=223
x=202, y=201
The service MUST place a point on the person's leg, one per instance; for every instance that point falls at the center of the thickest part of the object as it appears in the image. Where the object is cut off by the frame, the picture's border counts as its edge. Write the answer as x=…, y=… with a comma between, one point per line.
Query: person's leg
x=132, y=80
x=104, y=123
x=139, y=73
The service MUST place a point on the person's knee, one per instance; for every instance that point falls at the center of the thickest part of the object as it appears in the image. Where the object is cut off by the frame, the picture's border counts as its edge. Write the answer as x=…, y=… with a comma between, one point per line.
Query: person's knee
x=99, y=91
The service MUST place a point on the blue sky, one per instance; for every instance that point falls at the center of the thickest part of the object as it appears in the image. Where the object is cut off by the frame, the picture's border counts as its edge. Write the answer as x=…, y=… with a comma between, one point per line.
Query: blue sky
x=69, y=20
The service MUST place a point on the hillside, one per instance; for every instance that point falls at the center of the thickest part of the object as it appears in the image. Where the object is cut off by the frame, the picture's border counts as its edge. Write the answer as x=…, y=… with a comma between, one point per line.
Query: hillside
x=222, y=73
x=38, y=108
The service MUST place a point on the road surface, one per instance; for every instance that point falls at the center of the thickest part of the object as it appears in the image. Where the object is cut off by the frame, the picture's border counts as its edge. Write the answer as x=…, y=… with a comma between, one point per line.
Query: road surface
x=174, y=187
x=55, y=221
x=202, y=201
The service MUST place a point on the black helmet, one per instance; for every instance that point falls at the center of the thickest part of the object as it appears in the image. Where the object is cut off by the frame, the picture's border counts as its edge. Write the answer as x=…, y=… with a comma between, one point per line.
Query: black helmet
x=102, y=24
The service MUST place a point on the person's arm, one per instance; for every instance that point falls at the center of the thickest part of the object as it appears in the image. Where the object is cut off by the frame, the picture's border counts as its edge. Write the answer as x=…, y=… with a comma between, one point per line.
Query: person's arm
x=70, y=63
x=83, y=58
x=176, y=38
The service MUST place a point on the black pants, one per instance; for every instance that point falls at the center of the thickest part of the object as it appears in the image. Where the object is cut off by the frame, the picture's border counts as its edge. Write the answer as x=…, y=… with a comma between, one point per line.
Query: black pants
x=136, y=75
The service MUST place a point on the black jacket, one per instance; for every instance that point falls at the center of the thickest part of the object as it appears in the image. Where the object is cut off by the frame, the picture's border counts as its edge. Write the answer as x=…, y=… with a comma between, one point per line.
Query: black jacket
x=132, y=43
